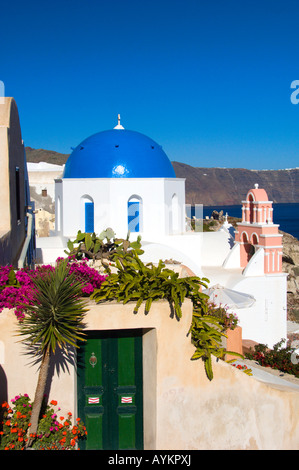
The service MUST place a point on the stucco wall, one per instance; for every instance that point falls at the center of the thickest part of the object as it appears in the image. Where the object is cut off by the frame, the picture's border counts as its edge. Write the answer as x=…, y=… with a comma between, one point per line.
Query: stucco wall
x=182, y=408
x=11, y=156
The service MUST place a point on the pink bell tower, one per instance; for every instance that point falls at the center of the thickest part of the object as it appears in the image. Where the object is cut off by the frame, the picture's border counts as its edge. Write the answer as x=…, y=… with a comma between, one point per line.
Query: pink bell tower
x=258, y=231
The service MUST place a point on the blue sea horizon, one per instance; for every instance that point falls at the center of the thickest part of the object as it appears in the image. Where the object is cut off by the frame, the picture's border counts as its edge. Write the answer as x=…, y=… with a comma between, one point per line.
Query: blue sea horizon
x=286, y=215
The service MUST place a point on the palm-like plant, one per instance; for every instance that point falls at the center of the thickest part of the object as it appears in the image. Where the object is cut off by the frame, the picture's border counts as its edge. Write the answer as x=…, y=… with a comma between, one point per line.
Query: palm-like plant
x=55, y=321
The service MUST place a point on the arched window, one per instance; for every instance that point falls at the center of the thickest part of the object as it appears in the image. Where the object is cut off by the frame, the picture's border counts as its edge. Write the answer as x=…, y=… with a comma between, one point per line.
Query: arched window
x=87, y=214
x=251, y=211
x=248, y=248
x=254, y=239
x=135, y=214
x=244, y=237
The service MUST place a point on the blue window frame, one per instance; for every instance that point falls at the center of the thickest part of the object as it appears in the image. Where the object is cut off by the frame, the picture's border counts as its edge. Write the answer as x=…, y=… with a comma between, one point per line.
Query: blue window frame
x=133, y=216
x=89, y=217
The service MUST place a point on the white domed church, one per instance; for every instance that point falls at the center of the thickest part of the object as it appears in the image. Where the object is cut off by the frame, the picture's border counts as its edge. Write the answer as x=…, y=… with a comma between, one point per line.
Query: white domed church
x=122, y=179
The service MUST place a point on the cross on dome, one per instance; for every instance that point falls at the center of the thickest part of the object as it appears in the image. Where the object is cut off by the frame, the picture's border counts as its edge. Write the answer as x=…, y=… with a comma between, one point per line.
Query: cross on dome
x=119, y=126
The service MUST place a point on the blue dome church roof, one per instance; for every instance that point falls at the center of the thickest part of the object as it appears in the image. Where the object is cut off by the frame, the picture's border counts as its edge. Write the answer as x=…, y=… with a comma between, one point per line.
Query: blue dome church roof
x=118, y=153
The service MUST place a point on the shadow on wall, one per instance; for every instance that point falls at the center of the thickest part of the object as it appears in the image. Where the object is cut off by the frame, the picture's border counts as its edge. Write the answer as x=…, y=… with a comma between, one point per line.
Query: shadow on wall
x=60, y=363
x=3, y=393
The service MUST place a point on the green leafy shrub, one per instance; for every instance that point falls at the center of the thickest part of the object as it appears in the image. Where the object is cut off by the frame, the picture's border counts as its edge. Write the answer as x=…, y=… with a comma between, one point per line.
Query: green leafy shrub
x=102, y=247
x=277, y=358
x=137, y=282
x=208, y=327
x=227, y=320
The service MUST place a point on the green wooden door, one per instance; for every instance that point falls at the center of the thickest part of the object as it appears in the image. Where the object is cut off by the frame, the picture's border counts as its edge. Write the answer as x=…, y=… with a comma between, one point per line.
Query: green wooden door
x=109, y=389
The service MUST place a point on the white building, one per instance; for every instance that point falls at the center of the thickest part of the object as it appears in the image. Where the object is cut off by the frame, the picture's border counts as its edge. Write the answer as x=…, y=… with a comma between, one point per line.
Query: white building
x=120, y=179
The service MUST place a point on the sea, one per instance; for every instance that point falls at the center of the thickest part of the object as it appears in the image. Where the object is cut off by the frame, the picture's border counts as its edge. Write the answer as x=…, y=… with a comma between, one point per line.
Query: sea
x=285, y=215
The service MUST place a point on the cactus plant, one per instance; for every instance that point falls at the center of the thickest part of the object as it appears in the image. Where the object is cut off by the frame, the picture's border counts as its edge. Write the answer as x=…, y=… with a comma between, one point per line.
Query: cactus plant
x=139, y=282
x=102, y=247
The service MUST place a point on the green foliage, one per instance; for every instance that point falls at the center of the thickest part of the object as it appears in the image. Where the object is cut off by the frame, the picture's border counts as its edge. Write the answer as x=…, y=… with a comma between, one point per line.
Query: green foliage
x=277, y=358
x=137, y=282
x=206, y=335
x=141, y=283
x=227, y=320
x=8, y=278
x=56, y=318
x=102, y=247
x=208, y=327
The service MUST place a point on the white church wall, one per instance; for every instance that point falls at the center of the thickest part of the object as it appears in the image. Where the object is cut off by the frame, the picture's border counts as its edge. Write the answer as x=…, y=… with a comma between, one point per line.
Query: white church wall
x=216, y=247
x=264, y=322
x=73, y=198
x=255, y=266
x=150, y=192
x=233, y=258
x=175, y=205
x=153, y=252
x=110, y=197
x=185, y=249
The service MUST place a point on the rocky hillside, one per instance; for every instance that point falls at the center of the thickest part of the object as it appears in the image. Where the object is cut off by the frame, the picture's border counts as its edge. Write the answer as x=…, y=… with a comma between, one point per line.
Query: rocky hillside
x=229, y=186
x=48, y=156
x=213, y=186
x=290, y=265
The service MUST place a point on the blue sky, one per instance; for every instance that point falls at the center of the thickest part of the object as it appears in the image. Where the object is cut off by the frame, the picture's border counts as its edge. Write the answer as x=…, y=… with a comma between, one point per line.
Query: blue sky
x=208, y=80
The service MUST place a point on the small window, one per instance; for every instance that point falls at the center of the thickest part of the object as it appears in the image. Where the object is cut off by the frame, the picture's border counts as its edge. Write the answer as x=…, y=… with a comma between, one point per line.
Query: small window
x=89, y=217
x=135, y=214
x=44, y=192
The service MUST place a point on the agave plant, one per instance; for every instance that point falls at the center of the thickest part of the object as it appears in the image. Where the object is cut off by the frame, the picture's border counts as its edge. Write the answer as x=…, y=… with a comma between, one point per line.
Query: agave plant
x=54, y=322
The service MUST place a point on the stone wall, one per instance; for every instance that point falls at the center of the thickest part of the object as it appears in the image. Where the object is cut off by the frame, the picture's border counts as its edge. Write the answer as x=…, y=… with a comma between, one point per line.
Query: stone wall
x=291, y=266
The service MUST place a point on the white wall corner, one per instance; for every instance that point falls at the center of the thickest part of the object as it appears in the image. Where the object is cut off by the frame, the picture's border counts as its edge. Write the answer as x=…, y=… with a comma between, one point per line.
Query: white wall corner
x=233, y=258
x=255, y=266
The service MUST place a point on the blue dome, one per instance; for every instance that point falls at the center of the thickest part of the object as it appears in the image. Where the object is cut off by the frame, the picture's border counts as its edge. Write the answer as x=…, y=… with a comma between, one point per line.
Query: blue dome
x=118, y=153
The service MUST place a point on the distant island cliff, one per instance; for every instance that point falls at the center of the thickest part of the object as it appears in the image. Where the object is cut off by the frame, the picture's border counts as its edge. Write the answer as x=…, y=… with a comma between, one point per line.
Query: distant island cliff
x=213, y=186
x=229, y=186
